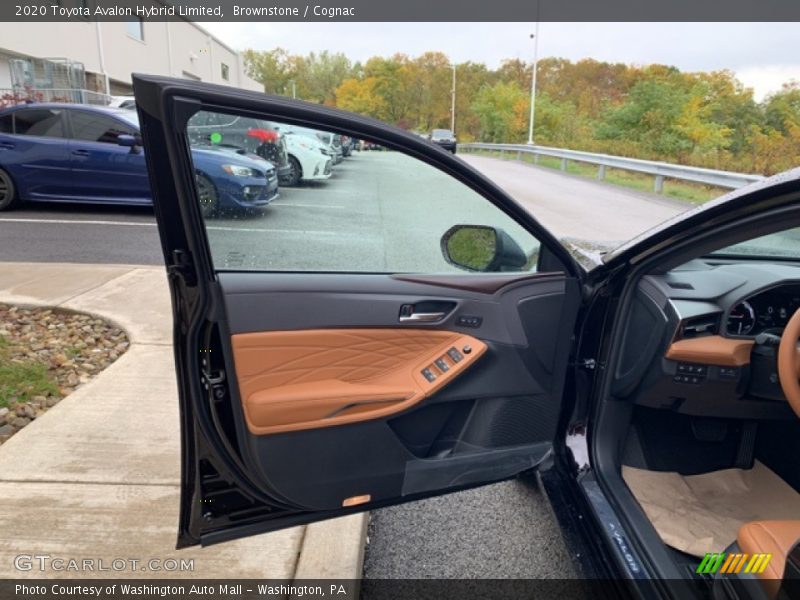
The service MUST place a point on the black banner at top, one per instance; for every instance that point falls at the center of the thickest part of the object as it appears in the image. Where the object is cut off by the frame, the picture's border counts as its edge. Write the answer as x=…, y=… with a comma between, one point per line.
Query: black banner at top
x=403, y=10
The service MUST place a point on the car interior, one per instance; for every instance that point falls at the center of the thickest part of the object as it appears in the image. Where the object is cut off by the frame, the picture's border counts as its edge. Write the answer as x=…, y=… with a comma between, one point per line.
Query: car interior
x=704, y=437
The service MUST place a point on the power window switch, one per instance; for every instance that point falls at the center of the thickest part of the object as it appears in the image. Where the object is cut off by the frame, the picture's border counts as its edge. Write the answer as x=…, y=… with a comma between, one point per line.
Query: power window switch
x=442, y=364
x=455, y=355
x=429, y=375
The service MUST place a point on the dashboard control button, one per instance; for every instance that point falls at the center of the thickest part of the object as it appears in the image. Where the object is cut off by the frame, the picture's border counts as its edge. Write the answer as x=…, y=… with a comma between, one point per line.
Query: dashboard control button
x=698, y=371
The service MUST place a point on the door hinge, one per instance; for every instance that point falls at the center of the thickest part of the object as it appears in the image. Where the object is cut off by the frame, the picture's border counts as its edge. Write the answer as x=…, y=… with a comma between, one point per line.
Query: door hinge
x=182, y=266
x=213, y=381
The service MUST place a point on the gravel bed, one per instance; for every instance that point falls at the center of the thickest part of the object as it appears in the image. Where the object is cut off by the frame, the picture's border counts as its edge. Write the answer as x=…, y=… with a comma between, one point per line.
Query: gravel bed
x=45, y=354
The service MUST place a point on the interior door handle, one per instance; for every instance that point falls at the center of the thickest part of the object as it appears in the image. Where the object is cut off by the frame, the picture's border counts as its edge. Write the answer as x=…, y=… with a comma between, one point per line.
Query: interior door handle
x=423, y=317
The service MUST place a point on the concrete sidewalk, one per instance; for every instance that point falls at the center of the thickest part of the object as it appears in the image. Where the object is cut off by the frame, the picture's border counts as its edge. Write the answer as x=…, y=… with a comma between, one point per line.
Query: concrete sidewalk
x=97, y=476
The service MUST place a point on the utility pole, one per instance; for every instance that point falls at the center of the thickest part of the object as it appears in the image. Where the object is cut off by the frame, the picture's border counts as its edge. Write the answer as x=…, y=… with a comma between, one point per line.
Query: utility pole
x=294, y=89
x=453, y=102
x=535, y=37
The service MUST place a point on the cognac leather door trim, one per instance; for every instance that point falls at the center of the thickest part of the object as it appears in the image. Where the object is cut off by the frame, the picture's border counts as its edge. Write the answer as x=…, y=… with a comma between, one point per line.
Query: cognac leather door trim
x=295, y=380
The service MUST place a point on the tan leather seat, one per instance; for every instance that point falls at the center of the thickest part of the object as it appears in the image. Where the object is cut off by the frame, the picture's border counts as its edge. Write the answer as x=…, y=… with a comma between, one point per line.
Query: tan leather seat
x=770, y=537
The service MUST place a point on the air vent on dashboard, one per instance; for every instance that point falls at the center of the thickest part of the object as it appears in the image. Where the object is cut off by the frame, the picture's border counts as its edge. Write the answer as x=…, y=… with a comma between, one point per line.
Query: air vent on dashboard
x=698, y=326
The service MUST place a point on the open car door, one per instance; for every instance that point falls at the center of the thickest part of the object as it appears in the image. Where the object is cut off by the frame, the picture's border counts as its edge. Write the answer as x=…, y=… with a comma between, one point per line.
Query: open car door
x=395, y=328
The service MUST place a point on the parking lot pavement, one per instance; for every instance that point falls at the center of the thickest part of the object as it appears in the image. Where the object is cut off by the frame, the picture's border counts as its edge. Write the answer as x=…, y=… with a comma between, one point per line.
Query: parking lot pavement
x=355, y=218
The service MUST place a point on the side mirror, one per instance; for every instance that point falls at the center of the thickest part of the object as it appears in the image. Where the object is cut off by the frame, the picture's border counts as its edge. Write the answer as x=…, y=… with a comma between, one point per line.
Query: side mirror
x=482, y=249
x=134, y=142
x=128, y=141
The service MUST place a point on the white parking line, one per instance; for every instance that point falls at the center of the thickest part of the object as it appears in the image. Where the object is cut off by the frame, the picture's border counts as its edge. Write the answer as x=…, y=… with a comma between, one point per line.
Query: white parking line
x=76, y=222
x=324, y=190
x=124, y=223
x=301, y=205
x=259, y=230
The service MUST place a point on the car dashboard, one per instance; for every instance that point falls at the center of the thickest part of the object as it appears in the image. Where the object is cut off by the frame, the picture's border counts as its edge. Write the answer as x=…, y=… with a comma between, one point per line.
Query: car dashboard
x=702, y=339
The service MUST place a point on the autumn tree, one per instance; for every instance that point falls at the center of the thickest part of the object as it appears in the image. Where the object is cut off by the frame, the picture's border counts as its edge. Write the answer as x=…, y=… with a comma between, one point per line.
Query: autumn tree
x=362, y=96
x=655, y=111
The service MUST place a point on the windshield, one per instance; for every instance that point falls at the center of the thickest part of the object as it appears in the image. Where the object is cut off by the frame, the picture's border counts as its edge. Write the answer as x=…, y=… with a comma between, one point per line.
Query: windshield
x=784, y=244
x=442, y=133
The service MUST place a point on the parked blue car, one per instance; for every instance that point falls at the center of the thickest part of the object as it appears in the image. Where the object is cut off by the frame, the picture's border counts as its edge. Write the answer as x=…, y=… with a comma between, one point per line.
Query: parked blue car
x=83, y=153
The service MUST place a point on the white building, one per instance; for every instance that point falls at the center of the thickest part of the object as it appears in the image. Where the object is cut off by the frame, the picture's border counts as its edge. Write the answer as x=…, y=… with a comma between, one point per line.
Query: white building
x=100, y=57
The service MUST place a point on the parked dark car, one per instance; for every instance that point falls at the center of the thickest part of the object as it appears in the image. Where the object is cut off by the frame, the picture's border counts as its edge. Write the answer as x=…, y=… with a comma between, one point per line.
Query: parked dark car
x=253, y=135
x=93, y=154
x=656, y=392
x=348, y=145
x=444, y=138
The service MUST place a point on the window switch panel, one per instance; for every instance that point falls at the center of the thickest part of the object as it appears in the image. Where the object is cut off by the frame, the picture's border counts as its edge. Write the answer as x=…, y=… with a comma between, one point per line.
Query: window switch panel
x=455, y=355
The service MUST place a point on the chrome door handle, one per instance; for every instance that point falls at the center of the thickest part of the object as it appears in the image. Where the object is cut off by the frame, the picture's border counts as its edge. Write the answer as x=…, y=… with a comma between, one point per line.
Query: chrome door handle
x=423, y=317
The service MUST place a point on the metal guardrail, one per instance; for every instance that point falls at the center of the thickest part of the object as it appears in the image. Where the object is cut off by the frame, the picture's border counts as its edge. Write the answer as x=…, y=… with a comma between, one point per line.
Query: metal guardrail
x=659, y=170
x=77, y=96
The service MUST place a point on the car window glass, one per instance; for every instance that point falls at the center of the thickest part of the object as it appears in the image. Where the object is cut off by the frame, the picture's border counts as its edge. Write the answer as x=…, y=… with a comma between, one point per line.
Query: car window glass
x=376, y=211
x=217, y=129
x=7, y=124
x=92, y=127
x=45, y=122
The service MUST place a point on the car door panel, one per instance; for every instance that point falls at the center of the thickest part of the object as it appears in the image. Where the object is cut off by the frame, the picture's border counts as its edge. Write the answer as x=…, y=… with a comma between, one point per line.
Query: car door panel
x=40, y=166
x=319, y=378
x=329, y=343
x=36, y=153
x=102, y=170
x=107, y=173
x=303, y=395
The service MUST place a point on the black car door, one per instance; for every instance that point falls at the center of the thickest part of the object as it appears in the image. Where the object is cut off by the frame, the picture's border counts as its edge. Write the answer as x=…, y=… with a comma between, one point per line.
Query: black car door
x=399, y=331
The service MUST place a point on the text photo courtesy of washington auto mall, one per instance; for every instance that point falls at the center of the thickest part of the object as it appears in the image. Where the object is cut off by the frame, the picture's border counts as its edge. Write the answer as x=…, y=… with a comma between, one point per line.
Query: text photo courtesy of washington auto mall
x=407, y=300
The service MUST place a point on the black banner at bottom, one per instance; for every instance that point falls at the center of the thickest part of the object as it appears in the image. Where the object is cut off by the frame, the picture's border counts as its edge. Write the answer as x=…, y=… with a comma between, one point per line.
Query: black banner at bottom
x=367, y=589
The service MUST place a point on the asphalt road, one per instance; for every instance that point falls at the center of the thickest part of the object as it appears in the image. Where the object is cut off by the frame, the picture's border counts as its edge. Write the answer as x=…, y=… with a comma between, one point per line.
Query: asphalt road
x=500, y=531
x=574, y=206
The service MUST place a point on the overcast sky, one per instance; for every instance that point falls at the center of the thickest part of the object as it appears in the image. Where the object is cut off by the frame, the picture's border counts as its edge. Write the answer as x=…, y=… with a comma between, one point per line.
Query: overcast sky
x=763, y=55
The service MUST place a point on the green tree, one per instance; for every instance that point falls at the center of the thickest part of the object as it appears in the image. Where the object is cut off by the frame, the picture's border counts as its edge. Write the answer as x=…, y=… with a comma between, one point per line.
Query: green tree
x=500, y=109
x=271, y=69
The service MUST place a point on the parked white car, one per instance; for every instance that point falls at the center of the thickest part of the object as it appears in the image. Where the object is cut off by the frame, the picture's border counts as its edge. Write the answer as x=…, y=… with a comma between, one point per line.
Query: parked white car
x=331, y=142
x=309, y=159
x=122, y=102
